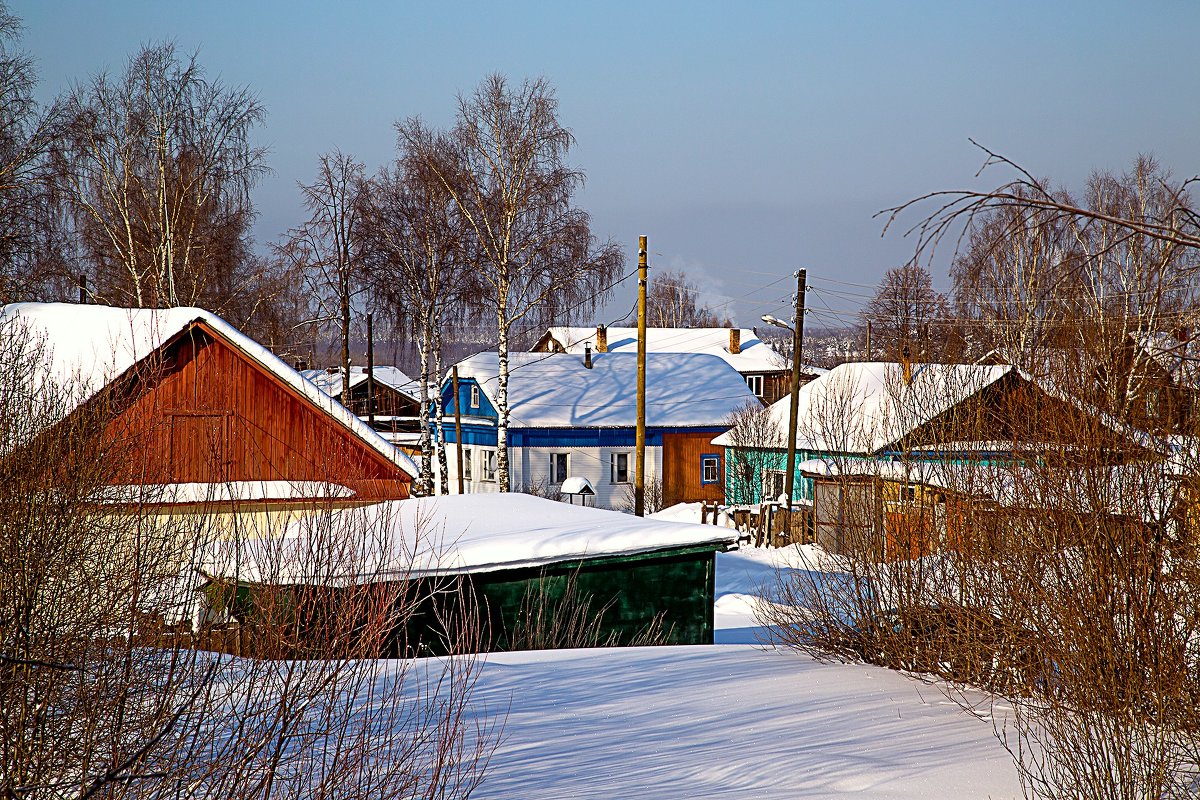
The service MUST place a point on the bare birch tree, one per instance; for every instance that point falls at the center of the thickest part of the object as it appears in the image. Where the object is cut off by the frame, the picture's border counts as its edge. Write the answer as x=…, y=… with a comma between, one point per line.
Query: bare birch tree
x=756, y=442
x=1093, y=288
x=328, y=246
x=903, y=310
x=415, y=262
x=1134, y=290
x=673, y=301
x=532, y=248
x=158, y=168
x=1010, y=283
x=27, y=132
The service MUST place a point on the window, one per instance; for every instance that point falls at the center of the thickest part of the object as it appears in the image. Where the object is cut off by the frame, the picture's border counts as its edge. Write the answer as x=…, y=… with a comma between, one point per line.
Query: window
x=474, y=396
x=559, y=467
x=755, y=382
x=487, y=464
x=710, y=468
x=467, y=458
x=773, y=484
x=618, y=468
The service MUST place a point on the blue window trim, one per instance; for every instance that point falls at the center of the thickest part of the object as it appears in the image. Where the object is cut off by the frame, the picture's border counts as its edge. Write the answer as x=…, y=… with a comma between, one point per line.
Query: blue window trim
x=703, y=458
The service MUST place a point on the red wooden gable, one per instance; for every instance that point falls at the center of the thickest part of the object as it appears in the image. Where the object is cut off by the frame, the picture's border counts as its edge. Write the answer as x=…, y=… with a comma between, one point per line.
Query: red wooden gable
x=199, y=410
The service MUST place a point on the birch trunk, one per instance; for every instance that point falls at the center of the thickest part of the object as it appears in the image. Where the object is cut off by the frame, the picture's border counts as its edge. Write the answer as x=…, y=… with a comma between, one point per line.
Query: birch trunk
x=502, y=392
x=425, y=444
x=439, y=411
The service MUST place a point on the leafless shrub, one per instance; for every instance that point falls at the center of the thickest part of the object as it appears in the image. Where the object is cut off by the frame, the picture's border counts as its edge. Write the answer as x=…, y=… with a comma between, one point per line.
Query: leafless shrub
x=542, y=488
x=556, y=615
x=756, y=443
x=652, y=497
x=106, y=687
x=1060, y=575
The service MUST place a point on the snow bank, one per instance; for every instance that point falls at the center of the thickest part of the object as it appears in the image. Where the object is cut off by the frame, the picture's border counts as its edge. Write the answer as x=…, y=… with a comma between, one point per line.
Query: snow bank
x=737, y=721
x=728, y=721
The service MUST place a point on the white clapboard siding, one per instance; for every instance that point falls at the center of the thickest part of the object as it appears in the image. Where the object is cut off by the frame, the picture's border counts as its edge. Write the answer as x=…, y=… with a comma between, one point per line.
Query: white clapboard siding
x=531, y=466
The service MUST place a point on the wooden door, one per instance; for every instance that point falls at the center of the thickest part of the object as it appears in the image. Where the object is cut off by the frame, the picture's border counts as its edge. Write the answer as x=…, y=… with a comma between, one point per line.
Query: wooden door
x=199, y=447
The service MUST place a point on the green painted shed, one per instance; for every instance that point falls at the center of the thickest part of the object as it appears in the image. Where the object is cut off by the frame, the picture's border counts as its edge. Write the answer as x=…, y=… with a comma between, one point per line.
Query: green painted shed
x=522, y=563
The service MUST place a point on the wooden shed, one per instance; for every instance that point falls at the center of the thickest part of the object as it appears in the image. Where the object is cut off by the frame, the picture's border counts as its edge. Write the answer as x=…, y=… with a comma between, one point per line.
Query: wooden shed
x=189, y=399
x=508, y=550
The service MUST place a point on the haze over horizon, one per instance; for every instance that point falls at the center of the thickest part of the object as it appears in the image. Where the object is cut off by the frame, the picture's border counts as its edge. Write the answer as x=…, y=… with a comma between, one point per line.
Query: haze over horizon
x=744, y=142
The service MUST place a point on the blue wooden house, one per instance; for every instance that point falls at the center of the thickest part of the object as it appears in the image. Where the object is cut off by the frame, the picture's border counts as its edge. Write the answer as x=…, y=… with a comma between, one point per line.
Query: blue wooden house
x=575, y=415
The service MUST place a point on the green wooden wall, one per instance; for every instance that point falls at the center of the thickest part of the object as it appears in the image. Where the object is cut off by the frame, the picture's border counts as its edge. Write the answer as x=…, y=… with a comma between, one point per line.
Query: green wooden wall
x=679, y=585
x=624, y=595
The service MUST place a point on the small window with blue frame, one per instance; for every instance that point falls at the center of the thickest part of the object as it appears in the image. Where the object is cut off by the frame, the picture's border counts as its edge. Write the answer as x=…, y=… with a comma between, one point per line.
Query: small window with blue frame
x=710, y=468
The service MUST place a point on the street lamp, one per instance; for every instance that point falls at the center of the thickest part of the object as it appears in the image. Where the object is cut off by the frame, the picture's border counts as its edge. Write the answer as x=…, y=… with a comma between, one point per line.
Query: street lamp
x=777, y=322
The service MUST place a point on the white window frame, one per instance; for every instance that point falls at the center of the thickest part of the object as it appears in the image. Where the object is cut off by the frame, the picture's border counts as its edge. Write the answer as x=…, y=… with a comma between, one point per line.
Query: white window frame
x=474, y=396
x=716, y=468
x=566, y=458
x=467, y=456
x=613, y=459
x=488, y=465
x=755, y=382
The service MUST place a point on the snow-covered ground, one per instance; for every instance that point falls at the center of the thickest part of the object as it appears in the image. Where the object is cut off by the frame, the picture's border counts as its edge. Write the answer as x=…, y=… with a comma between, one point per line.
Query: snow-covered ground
x=731, y=720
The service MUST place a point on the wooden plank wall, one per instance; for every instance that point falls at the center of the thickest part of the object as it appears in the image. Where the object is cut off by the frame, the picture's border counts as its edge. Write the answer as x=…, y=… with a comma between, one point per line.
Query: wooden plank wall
x=212, y=415
x=681, y=468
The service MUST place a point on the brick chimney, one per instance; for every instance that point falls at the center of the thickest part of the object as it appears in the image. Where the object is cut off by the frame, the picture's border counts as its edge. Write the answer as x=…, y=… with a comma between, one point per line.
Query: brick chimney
x=735, y=340
x=601, y=339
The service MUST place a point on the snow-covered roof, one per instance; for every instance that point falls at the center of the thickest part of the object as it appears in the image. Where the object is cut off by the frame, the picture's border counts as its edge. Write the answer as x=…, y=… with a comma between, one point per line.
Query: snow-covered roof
x=862, y=407
x=330, y=381
x=755, y=355
x=556, y=390
x=86, y=347
x=451, y=534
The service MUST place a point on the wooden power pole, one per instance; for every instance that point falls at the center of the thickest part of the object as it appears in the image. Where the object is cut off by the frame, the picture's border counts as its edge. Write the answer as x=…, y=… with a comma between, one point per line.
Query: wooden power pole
x=370, y=373
x=639, y=486
x=797, y=360
x=868, y=340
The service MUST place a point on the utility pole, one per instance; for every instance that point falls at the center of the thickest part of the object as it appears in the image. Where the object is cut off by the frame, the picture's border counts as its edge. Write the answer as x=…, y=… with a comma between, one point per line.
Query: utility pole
x=370, y=373
x=639, y=486
x=457, y=428
x=797, y=358
x=868, y=340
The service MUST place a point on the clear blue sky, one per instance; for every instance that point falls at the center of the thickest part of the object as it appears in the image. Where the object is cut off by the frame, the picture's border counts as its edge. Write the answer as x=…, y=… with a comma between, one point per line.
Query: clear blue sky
x=745, y=140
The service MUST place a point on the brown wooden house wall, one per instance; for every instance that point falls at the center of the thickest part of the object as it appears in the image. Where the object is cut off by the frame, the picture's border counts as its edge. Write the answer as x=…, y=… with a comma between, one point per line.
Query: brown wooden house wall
x=200, y=411
x=388, y=401
x=775, y=386
x=681, y=468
